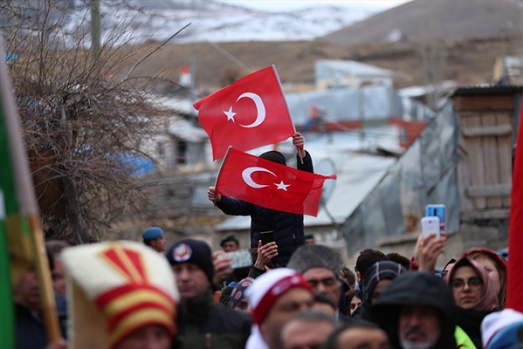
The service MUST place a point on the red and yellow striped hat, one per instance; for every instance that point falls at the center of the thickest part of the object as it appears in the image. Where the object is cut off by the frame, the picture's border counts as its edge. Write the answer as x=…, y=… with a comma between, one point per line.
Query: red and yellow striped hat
x=132, y=285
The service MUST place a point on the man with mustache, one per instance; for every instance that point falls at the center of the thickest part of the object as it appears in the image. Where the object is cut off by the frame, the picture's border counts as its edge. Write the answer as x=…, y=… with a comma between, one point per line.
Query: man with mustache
x=417, y=312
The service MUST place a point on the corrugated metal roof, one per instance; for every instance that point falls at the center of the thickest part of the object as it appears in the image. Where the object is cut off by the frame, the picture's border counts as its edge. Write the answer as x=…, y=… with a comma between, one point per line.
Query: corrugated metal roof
x=368, y=103
x=186, y=131
x=181, y=105
x=325, y=68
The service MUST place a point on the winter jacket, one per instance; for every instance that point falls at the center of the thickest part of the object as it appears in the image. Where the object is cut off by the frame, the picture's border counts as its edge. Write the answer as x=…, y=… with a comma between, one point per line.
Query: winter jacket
x=204, y=324
x=29, y=328
x=287, y=227
x=470, y=322
x=417, y=289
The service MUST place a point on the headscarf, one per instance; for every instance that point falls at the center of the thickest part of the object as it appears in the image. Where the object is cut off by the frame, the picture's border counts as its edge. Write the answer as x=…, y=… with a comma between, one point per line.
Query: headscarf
x=489, y=299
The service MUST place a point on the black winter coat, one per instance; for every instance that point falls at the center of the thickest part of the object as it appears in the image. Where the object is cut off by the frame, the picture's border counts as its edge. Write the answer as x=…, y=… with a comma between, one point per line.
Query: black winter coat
x=287, y=227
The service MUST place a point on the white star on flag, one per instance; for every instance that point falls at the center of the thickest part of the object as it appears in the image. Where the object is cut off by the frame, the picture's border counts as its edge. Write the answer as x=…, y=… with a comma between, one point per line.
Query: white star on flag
x=230, y=114
x=282, y=186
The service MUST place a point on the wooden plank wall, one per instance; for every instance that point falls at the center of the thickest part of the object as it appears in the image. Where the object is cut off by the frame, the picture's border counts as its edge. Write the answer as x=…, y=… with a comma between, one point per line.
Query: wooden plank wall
x=485, y=142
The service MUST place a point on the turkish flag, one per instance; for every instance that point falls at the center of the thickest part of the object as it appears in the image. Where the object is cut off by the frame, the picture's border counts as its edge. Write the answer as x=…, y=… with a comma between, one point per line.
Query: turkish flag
x=269, y=184
x=515, y=240
x=250, y=113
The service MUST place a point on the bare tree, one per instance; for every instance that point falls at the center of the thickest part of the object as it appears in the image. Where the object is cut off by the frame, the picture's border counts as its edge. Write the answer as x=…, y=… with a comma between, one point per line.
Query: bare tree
x=82, y=128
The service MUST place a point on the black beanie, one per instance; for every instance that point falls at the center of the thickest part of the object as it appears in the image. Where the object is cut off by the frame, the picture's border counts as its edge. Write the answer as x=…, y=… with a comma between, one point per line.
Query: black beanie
x=274, y=156
x=192, y=251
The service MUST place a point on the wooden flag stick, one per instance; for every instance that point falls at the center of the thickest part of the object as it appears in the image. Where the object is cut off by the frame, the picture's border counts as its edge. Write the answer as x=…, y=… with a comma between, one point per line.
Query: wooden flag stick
x=49, y=315
x=27, y=204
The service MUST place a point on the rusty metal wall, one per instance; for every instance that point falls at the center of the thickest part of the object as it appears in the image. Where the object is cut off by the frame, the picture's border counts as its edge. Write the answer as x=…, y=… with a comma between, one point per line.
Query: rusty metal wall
x=425, y=174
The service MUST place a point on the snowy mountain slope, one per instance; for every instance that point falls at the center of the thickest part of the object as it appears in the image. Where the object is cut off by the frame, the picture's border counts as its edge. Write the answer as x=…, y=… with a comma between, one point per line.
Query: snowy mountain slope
x=216, y=22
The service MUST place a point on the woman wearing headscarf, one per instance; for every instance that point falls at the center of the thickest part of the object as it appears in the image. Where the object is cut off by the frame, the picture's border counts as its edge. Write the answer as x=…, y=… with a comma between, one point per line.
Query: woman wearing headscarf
x=474, y=294
x=496, y=269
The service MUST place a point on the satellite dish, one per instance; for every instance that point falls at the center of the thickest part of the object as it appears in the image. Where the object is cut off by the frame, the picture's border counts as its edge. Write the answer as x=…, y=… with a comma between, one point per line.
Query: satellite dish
x=326, y=167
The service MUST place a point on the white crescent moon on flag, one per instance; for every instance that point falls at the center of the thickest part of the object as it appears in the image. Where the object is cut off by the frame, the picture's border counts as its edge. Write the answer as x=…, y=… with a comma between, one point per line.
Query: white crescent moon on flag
x=260, y=108
x=247, y=173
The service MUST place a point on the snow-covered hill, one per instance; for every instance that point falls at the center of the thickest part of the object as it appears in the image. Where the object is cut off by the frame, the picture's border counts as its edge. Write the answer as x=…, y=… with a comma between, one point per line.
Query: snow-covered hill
x=216, y=22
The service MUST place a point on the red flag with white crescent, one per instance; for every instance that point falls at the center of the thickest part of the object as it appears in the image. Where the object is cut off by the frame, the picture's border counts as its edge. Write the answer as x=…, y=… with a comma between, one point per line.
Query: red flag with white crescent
x=250, y=113
x=269, y=184
x=515, y=244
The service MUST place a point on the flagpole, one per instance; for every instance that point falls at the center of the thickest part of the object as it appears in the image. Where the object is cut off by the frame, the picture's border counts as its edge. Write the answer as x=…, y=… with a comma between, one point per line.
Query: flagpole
x=287, y=106
x=27, y=204
x=220, y=169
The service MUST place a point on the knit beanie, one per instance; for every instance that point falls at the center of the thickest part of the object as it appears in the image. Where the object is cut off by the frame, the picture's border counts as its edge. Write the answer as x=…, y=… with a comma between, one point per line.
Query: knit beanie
x=238, y=292
x=315, y=256
x=270, y=286
x=192, y=251
x=274, y=156
x=382, y=270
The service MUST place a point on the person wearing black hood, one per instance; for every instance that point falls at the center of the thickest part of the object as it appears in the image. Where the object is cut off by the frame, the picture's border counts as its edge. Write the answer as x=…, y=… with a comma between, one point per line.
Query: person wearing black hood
x=287, y=228
x=417, y=311
x=377, y=278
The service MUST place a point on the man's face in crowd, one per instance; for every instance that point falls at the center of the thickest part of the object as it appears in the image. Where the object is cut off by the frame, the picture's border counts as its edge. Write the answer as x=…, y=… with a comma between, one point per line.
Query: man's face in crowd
x=287, y=306
x=58, y=276
x=301, y=334
x=27, y=292
x=361, y=337
x=148, y=337
x=159, y=244
x=230, y=246
x=324, y=281
x=191, y=280
x=419, y=327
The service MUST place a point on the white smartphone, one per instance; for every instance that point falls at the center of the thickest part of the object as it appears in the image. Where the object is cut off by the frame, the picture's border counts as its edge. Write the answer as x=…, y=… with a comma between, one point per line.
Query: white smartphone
x=430, y=225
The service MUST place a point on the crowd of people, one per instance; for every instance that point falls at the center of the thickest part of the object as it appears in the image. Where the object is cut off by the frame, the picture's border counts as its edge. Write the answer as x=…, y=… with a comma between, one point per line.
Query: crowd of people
x=129, y=295
x=294, y=293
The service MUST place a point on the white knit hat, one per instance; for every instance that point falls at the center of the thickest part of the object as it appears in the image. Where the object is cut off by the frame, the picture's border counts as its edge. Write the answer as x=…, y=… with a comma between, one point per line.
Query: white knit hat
x=271, y=285
x=500, y=329
x=116, y=288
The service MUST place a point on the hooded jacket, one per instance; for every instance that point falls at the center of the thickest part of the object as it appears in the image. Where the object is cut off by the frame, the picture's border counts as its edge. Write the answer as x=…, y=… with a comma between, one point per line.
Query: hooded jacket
x=287, y=227
x=416, y=289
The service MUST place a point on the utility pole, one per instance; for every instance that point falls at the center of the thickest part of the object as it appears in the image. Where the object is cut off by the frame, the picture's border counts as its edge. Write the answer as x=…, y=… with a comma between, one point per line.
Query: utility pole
x=95, y=35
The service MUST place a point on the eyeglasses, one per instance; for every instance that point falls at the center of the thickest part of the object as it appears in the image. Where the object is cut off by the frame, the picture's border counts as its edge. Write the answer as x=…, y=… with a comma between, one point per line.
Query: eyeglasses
x=473, y=282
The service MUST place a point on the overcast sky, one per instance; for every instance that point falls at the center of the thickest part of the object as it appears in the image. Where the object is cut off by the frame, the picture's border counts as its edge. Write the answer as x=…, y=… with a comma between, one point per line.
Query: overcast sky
x=284, y=5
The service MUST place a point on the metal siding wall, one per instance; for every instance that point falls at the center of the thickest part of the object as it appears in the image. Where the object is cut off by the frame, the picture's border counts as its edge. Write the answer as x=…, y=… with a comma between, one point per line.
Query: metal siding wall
x=425, y=174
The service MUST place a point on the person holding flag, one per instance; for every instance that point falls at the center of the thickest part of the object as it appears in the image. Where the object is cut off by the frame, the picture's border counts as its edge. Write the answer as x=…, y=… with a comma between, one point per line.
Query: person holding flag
x=286, y=227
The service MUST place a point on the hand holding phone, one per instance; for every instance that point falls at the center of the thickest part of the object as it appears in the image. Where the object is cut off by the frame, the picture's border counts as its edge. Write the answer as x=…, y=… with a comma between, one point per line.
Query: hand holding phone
x=430, y=225
x=266, y=237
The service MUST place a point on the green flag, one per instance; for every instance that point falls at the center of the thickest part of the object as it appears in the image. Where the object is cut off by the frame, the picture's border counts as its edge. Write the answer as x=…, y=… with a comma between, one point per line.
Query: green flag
x=6, y=299
x=21, y=238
